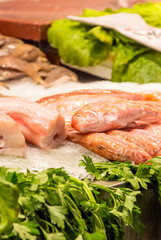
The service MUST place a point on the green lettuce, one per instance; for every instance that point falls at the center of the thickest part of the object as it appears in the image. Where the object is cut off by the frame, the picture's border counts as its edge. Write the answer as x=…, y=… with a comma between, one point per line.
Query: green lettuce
x=83, y=45
x=78, y=43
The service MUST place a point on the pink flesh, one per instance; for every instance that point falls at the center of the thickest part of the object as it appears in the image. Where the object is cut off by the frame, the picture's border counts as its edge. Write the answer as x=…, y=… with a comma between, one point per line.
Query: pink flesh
x=12, y=141
x=103, y=116
x=40, y=126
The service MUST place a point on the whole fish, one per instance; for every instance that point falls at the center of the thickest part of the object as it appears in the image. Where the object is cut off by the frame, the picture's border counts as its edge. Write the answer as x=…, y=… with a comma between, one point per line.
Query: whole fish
x=102, y=116
x=22, y=66
x=40, y=126
x=109, y=92
x=68, y=103
x=149, y=143
x=111, y=147
x=27, y=52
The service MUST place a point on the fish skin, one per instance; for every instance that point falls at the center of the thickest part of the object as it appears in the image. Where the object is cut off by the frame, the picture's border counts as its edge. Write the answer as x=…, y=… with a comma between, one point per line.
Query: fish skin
x=22, y=66
x=154, y=128
x=12, y=141
x=40, y=126
x=111, y=147
x=149, y=143
x=27, y=52
x=103, y=115
x=107, y=92
x=152, y=96
x=72, y=103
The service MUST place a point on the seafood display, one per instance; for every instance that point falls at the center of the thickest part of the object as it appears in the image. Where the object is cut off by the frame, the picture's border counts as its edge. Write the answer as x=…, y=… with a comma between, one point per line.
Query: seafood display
x=115, y=124
x=19, y=59
x=39, y=125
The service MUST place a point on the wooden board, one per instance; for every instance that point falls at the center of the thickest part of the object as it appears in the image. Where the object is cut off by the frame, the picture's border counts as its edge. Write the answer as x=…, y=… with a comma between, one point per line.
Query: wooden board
x=30, y=19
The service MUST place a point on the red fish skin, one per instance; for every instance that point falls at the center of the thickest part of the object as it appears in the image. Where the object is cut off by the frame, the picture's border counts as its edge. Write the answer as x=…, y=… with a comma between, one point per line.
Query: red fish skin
x=150, y=144
x=108, y=92
x=153, y=96
x=69, y=105
x=102, y=116
x=111, y=147
x=154, y=128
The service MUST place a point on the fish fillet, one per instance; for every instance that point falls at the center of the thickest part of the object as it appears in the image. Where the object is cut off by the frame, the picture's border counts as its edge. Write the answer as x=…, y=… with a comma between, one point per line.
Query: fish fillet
x=102, y=116
x=111, y=147
x=40, y=126
x=12, y=141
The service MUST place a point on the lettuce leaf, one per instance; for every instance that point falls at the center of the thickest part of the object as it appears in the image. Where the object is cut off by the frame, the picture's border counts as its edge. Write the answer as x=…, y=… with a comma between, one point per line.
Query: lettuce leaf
x=83, y=45
x=78, y=43
x=150, y=12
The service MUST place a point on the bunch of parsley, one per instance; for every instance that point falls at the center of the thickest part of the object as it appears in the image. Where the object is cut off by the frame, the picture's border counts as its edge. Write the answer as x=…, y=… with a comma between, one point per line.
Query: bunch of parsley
x=53, y=205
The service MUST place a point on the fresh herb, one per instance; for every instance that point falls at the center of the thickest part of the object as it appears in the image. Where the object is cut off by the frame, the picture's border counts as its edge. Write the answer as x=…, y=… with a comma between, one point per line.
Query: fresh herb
x=138, y=177
x=53, y=205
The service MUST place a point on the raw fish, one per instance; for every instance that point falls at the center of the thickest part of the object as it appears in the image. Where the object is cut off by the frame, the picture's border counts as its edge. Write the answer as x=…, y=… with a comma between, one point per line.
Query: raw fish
x=149, y=143
x=12, y=141
x=103, y=115
x=40, y=126
x=111, y=147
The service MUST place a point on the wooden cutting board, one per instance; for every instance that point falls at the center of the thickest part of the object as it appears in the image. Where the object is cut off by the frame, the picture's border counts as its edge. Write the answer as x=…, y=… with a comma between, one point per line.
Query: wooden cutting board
x=30, y=19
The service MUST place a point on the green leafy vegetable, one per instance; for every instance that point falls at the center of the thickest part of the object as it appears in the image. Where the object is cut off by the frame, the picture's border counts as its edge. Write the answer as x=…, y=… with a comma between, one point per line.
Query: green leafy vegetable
x=8, y=205
x=52, y=205
x=84, y=45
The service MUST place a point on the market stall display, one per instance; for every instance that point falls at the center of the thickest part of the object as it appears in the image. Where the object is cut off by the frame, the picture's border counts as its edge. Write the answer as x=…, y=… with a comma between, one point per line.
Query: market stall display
x=83, y=160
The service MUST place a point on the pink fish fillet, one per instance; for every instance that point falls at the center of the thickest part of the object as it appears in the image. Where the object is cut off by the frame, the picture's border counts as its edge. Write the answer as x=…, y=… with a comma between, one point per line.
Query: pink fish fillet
x=111, y=147
x=40, y=126
x=104, y=115
x=12, y=141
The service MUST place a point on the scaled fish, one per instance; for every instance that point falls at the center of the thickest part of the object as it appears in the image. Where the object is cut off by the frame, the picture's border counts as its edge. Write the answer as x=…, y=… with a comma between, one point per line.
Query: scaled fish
x=111, y=147
x=103, y=115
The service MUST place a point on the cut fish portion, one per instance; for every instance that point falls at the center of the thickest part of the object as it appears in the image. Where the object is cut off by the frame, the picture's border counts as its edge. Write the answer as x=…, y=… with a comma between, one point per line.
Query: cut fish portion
x=102, y=116
x=40, y=126
x=12, y=141
x=111, y=147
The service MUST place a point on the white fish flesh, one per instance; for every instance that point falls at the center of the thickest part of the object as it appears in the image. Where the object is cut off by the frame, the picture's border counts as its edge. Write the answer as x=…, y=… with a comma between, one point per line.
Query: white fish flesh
x=12, y=141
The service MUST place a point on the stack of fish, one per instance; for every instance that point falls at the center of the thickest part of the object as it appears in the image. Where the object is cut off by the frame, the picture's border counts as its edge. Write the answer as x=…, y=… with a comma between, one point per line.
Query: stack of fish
x=18, y=59
x=115, y=124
